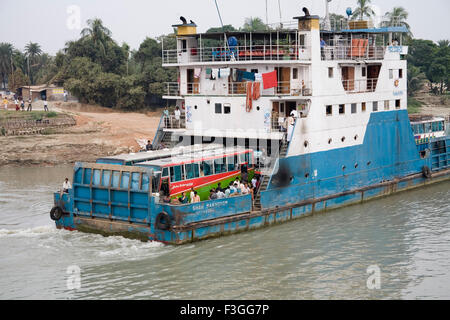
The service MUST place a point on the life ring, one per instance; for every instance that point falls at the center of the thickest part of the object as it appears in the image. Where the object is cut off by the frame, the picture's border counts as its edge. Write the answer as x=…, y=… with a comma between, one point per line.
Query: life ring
x=56, y=213
x=163, y=221
x=426, y=171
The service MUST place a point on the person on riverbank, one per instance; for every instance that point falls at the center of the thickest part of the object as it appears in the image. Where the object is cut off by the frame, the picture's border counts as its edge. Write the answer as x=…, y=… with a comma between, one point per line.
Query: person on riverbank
x=16, y=103
x=45, y=105
x=22, y=104
x=66, y=186
x=30, y=107
x=5, y=103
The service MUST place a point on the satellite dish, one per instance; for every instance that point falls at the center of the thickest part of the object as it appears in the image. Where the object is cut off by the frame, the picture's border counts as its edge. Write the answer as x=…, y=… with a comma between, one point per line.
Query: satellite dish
x=349, y=12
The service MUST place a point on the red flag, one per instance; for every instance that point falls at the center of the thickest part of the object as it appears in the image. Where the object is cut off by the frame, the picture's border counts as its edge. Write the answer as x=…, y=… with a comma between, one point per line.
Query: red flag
x=270, y=79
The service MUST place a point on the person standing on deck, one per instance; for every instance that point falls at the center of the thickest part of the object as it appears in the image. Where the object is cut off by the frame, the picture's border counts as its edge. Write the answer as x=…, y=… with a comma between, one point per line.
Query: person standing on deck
x=66, y=186
x=177, y=117
x=322, y=47
x=290, y=123
x=166, y=118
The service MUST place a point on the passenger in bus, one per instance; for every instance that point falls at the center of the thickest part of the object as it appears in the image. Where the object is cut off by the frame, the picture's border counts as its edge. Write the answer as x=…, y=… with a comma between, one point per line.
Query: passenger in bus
x=196, y=197
x=166, y=199
x=192, y=195
x=212, y=194
x=220, y=194
x=219, y=187
x=183, y=199
x=233, y=189
x=228, y=192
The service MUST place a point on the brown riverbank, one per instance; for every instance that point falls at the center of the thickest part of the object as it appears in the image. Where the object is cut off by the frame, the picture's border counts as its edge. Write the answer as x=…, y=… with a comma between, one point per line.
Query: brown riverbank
x=98, y=132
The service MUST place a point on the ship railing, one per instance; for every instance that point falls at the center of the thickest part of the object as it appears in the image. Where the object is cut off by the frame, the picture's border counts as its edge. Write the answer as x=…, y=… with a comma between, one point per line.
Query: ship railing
x=359, y=86
x=287, y=88
x=238, y=53
x=355, y=52
x=171, y=122
x=173, y=89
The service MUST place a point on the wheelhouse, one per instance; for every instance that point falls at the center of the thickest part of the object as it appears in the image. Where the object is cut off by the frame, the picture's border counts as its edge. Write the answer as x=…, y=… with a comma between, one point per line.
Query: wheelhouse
x=201, y=171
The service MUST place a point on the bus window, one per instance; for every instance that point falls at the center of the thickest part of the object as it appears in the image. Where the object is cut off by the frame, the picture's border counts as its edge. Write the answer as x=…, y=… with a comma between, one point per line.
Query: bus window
x=192, y=171
x=176, y=173
x=247, y=158
x=165, y=172
x=207, y=167
x=155, y=182
x=145, y=182
x=441, y=126
x=242, y=158
x=421, y=128
x=220, y=165
x=231, y=163
x=428, y=127
x=135, y=176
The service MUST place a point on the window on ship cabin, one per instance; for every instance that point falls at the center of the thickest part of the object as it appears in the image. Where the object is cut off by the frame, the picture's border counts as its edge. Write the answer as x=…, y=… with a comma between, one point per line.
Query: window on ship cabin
x=400, y=73
x=330, y=72
x=391, y=74
x=342, y=109
x=184, y=45
x=226, y=108
x=354, y=107
x=386, y=105
x=218, y=108
x=397, y=104
x=295, y=73
x=363, y=107
x=302, y=40
x=363, y=71
x=375, y=106
x=329, y=110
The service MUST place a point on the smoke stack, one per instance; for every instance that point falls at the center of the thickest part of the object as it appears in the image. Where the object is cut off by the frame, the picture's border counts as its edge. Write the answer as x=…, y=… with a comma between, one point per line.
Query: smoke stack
x=306, y=11
x=183, y=19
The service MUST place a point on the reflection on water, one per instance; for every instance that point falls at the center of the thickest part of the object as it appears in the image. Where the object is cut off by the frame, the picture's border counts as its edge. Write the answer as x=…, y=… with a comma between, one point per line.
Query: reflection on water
x=321, y=257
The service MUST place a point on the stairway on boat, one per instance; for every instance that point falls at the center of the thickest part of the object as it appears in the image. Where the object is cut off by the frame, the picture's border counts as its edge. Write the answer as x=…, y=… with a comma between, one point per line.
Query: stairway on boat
x=266, y=174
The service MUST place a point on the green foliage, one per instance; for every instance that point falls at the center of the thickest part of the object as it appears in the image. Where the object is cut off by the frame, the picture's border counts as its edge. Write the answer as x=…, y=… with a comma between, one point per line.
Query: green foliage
x=416, y=80
x=414, y=105
x=254, y=24
x=363, y=10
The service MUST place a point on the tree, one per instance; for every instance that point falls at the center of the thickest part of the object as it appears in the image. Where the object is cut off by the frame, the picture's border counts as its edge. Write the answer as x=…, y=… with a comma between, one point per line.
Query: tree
x=254, y=24
x=98, y=33
x=338, y=22
x=226, y=28
x=397, y=17
x=416, y=80
x=421, y=53
x=6, y=50
x=17, y=80
x=32, y=51
x=363, y=10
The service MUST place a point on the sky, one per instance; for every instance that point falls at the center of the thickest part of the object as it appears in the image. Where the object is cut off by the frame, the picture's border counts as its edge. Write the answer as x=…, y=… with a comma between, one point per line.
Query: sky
x=52, y=23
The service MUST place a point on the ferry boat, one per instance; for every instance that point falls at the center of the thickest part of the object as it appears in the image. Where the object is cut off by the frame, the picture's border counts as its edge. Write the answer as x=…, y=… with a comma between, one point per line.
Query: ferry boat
x=317, y=110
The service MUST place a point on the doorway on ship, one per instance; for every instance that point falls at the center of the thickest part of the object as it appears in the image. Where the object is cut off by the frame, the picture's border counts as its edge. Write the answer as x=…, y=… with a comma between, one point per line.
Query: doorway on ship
x=192, y=82
x=348, y=78
x=290, y=106
x=284, y=80
x=373, y=71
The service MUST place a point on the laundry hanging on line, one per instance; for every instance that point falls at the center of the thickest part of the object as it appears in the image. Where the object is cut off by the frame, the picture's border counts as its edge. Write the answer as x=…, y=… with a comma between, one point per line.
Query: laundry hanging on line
x=197, y=72
x=270, y=80
x=224, y=73
x=244, y=75
x=256, y=90
x=249, y=100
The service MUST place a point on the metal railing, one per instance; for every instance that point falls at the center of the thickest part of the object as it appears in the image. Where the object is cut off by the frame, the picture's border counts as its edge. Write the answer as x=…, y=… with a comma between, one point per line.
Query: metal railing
x=231, y=54
x=348, y=52
x=171, y=122
x=358, y=86
x=240, y=88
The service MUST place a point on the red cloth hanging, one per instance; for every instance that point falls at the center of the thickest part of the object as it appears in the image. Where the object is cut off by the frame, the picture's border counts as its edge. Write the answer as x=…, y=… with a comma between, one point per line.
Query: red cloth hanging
x=249, y=102
x=270, y=80
x=256, y=90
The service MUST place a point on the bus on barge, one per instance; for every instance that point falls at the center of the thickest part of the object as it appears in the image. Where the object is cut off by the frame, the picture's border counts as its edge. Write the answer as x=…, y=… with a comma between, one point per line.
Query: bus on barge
x=319, y=108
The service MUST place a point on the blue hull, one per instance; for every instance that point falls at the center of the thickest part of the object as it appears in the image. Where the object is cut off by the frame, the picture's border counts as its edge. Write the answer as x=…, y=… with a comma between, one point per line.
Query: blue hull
x=387, y=162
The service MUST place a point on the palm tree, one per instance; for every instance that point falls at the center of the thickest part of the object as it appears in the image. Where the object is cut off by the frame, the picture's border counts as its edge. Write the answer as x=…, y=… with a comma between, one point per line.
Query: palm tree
x=397, y=18
x=363, y=9
x=98, y=33
x=32, y=51
x=6, y=50
x=444, y=43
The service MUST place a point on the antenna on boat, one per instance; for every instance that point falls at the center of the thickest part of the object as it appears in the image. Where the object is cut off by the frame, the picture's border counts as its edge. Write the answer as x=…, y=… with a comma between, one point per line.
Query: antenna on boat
x=279, y=9
x=221, y=22
x=267, y=15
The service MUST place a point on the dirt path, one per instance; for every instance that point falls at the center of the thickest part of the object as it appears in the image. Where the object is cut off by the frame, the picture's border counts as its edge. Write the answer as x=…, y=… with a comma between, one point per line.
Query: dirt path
x=99, y=132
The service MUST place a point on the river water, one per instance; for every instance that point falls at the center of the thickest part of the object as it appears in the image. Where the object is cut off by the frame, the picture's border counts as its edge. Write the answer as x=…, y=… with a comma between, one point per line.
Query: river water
x=406, y=237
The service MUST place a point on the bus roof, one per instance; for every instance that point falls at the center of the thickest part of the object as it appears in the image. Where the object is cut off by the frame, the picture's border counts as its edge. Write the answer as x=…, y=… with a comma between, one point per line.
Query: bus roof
x=158, y=154
x=188, y=158
x=425, y=119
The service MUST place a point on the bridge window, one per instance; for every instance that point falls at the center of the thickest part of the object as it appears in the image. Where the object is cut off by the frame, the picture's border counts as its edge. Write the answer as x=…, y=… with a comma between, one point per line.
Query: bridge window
x=192, y=171
x=329, y=110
